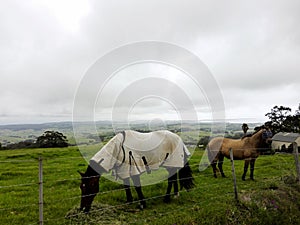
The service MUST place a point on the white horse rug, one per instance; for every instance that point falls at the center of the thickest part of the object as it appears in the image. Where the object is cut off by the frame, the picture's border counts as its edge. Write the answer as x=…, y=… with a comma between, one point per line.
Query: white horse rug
x=132, y=153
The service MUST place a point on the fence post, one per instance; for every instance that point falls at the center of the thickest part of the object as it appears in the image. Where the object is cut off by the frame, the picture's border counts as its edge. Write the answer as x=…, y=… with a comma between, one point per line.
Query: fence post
x=233, y=174
x=296, y=155
x=41, y=217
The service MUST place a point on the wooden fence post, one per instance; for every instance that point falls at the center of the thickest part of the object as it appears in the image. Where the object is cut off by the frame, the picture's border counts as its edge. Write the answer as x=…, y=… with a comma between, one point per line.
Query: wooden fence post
x=41, y=217
x=296, y=155
x=233, y=174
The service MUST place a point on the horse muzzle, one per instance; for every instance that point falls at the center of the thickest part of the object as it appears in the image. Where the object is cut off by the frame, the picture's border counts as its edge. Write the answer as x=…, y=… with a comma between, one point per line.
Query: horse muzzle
x=86, y=203
x=269, y=141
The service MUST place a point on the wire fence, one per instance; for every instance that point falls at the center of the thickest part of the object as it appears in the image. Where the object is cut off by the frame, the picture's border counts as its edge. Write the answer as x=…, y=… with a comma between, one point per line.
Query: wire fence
x=38, y=197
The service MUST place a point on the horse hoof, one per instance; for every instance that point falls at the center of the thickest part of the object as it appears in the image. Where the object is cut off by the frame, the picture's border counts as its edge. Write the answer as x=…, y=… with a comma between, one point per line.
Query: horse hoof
x=243, y=178
x=167, y=199
x=86, y=211
x=223, y=175
x=141, y=205
x=215, y=176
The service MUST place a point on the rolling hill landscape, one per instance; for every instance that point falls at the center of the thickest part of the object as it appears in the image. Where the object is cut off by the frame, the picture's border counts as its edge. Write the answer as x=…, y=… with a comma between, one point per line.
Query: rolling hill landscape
x=86, y=130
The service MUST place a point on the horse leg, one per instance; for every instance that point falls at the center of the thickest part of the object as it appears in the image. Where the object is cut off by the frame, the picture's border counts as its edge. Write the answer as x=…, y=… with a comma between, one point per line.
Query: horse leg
x=171, y=180
x=252, y=162
x=214, y=167
x=220, y=164
x=174, y=180
x=126, y=184
x=245, y=169
x=137, y=184
x=213, y=162
x=167, y=197
x=175, y=183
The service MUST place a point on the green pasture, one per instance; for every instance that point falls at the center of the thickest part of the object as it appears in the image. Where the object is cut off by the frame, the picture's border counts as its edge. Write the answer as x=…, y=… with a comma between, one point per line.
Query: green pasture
x=273, y=198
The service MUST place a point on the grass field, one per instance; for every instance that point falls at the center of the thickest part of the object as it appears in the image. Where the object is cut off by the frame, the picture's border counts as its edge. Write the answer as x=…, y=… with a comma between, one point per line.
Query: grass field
x=273, y=198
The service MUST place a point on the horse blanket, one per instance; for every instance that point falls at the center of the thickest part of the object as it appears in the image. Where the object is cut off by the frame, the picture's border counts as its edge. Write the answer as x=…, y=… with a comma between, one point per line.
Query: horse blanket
x=132, y=153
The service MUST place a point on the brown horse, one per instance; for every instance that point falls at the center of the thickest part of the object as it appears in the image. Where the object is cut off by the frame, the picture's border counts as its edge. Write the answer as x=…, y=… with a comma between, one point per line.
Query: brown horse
x=248, y=148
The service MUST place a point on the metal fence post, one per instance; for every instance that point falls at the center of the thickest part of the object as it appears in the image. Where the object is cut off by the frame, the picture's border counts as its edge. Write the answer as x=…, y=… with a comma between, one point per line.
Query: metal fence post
x=296, y=155
x=41, y=217
x=233, y=174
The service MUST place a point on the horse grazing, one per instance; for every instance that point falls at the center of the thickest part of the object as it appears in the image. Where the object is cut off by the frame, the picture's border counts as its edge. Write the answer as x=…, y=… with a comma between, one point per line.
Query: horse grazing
x=247, y=148
x=129, y=154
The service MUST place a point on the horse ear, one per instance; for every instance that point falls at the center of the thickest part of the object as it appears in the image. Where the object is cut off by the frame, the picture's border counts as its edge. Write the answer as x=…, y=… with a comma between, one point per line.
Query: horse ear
x=81, y=174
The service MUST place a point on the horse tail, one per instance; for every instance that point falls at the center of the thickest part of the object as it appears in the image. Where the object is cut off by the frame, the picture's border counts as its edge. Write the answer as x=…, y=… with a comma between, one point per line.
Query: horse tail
x=186, y=179
x=209, y=154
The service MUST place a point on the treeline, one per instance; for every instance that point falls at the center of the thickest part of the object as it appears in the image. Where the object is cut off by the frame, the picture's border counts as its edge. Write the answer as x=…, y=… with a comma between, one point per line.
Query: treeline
x=49, y=139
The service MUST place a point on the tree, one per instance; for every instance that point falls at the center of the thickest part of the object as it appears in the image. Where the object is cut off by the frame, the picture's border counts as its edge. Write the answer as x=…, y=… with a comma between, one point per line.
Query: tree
x=292, y=124
x=278, y=117
x=297, y=113
x=283, y=121
x=296, y=121
x=52, y=139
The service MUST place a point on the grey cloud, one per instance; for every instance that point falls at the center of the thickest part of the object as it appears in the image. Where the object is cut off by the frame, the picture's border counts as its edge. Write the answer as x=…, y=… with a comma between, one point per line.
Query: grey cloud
x=252, y=49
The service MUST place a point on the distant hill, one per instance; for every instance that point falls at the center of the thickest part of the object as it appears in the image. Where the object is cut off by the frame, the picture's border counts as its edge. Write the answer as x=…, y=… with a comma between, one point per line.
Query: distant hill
x=18, y=127
x=86, y=130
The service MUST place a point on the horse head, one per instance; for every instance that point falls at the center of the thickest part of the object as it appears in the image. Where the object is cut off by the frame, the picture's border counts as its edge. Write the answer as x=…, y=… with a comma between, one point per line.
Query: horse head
x=267, y=134
x=264, y=136
x=89, y=188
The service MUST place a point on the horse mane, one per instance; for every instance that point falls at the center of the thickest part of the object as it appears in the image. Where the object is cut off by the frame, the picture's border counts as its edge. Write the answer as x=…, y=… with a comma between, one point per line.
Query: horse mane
x=248, y=135
x=256, y=130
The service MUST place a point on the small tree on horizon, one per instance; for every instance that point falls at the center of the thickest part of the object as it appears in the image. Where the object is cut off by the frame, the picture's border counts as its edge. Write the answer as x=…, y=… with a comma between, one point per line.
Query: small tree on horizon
x=52, y=139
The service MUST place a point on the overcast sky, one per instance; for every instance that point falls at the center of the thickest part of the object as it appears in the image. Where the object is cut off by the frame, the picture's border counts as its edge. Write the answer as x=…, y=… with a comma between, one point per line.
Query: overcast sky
x=251, y=48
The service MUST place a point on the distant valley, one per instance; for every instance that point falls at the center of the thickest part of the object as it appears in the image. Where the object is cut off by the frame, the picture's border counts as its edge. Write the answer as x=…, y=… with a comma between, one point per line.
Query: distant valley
x=89, y=132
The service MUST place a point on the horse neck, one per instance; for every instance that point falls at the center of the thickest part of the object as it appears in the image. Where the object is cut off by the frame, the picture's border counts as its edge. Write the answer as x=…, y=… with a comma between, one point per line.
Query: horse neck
x=111, y=150
x=256, y=138
x=90, y=172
